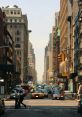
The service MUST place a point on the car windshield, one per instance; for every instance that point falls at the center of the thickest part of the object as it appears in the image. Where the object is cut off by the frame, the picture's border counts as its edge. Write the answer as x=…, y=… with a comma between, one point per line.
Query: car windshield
x=38, y=91
x=56, y=92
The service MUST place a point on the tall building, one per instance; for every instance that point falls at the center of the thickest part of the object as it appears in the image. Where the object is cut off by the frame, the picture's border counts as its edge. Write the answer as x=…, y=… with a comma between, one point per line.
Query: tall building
x=17, y=24
x=46, y=66
x=63, y=24
x=7, y=64
x=65, y=39
x=73, y=44
x=56, y=45
x=78, y=45
x=48, y=62
x=31, y=64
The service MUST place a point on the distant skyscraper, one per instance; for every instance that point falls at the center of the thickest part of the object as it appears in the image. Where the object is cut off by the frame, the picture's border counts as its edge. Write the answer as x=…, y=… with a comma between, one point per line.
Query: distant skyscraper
x=31, y=63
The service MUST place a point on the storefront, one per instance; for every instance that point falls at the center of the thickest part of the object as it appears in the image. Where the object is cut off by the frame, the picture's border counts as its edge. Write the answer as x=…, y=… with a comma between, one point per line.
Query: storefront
x=73, y=82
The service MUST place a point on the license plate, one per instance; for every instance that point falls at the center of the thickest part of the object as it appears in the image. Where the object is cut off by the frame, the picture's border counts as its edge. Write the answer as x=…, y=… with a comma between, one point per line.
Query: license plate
x=36, y=95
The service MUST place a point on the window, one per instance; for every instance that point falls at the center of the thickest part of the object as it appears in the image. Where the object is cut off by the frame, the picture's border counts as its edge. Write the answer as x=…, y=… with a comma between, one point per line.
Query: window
x=19, y=20
x=7, y=12
x=15, y=20
x=10, y=20
x=10, y=26
x=17, y=39
x=18, y=12
x=18, y=32
x=15, y=26
x=14, y=12
x=18, y=53
x=11, y=12
x=17, y=45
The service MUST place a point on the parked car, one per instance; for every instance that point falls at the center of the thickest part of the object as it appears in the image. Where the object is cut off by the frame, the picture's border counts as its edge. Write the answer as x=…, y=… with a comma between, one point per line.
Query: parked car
x=2, y=106
x=37, y=94
x=57, y=94
x=45, y=92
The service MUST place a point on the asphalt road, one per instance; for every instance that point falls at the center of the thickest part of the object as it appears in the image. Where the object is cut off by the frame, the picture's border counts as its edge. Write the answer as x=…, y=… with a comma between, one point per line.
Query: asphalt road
x=42, y=112
x=43, y=108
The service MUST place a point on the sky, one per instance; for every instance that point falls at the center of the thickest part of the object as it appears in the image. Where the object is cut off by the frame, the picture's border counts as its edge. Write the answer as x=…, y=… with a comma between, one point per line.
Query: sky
x=41, y=18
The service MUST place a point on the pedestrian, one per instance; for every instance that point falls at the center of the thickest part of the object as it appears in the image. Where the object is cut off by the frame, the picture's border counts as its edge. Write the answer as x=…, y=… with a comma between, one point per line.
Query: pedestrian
x=17, y=100
x=21, y=98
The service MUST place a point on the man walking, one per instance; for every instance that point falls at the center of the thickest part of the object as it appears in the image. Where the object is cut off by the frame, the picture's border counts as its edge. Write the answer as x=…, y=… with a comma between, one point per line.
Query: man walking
x=21, y=98
x=16, y=100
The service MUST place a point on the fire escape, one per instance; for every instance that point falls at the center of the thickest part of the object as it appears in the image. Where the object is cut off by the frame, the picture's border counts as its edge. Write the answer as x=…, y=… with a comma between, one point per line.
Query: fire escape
x=80, y=40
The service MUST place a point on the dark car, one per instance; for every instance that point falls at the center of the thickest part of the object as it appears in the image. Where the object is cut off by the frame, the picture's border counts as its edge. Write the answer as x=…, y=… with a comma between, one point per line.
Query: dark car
x=2, y=106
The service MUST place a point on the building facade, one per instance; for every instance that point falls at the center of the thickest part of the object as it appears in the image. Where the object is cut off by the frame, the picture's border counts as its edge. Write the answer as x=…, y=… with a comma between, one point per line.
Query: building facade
x=17, y=24
x=7, y=64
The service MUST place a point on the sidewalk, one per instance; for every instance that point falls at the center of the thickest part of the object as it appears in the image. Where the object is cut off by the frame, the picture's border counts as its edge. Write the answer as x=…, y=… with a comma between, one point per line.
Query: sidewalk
x=70, y=96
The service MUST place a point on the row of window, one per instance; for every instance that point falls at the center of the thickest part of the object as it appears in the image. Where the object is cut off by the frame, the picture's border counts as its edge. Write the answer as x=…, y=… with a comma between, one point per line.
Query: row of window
x=18, y=53
x=14, y=20
x=14, y=26
x=12, y=12
x=17, y=45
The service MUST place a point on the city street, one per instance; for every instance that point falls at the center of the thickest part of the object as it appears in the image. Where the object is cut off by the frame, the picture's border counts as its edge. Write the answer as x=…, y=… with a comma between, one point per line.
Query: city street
x=42, y=108
x=41, y=58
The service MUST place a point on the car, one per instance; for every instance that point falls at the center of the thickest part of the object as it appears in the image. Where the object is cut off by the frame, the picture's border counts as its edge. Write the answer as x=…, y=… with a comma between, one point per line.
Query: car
x=2, y=106
x=37, y=94
x=45, y=93
x=14, y=91
x=57, y=94
x=13, y=94
x=79, y=97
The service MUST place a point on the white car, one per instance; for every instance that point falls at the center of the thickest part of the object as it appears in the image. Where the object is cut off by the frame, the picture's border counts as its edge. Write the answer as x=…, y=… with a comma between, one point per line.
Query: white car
x=15, y=91
x=13, y=94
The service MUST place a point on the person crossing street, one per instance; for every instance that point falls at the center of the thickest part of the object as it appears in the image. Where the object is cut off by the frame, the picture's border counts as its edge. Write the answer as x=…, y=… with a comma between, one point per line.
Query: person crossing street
x=21, y=98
